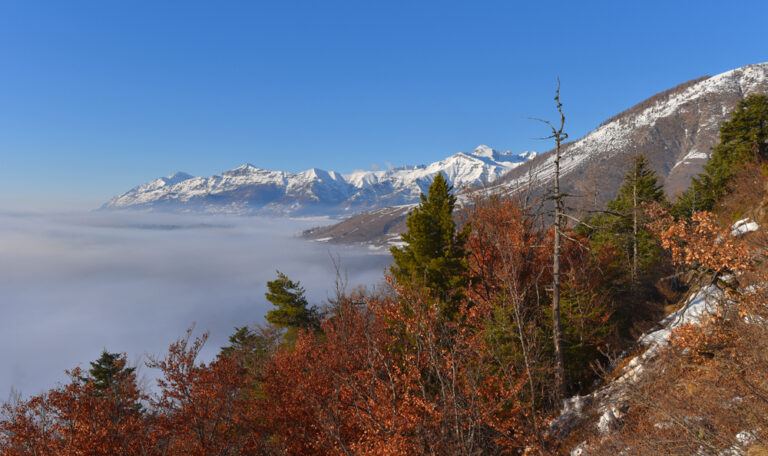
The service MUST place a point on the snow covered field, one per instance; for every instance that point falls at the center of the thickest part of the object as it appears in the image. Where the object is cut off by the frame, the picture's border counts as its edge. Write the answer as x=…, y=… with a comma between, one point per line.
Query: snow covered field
x=71, y=285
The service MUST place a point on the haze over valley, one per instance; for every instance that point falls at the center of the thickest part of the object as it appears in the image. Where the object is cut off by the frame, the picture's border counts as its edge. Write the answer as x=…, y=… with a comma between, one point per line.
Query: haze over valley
x=74, y=284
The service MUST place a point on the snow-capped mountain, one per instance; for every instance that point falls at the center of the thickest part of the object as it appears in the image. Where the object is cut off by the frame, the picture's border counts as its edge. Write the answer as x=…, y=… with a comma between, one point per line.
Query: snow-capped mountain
x=675, y=130
x=251, y=190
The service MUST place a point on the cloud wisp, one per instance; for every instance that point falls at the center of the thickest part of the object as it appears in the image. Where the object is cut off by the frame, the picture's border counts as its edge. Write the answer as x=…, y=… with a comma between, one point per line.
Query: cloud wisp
x=72, y=285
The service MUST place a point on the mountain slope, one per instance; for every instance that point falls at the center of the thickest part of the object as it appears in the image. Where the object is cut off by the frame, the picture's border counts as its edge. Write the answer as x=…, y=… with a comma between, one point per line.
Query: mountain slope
x=674, y=129
x=251, y=190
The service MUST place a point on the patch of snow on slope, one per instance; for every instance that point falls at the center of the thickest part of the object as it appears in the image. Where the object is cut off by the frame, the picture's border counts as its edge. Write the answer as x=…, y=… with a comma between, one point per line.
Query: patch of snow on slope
x=744, y=226
x=692, y=155
x=609, y=400
x=701, y=304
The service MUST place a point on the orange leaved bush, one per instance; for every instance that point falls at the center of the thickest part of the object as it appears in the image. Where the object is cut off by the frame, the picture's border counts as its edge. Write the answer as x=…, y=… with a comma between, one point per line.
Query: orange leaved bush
x=77, y=419
x=699, y=242
x=396, y=378
x=203, y=409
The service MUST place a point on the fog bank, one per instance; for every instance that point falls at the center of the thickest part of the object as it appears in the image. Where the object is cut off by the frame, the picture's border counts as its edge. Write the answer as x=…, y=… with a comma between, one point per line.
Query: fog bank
x=71, y=285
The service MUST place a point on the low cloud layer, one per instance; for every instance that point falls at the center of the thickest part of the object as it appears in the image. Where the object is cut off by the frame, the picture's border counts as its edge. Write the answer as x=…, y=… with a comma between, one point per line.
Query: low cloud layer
x=71, y=285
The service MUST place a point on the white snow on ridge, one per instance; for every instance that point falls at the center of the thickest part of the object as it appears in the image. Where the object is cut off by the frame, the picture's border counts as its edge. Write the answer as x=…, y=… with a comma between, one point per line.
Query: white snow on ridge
x=614, y=136
x=248, y=189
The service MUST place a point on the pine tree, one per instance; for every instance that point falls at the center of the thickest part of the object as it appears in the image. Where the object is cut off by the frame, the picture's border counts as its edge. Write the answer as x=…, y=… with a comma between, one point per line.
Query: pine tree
x=433, y=257
x=743, y=139
x=292, y=309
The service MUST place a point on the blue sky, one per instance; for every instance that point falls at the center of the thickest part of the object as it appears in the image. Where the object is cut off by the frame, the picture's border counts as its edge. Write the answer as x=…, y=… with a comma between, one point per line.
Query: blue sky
x=99, y=96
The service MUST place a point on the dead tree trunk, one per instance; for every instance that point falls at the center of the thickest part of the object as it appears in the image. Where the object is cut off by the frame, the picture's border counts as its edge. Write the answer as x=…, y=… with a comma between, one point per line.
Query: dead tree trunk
x=557, y=332
x=558, y=196
x=634, y=229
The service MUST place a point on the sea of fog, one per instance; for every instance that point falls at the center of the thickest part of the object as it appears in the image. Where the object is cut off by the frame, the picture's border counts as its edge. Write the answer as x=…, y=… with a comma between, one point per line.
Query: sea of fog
x=72, y=285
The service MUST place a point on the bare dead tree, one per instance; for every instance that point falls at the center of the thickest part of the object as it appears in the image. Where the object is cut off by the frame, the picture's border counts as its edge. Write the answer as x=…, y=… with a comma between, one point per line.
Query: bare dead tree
x=635, y=209
x=559, y=136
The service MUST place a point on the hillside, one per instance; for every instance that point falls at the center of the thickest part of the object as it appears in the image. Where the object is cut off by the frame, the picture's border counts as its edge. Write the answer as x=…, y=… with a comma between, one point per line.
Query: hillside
x=675, y=129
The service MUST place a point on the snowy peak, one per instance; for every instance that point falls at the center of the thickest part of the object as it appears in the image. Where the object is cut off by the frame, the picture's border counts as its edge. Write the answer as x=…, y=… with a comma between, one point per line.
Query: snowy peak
x=484, y=151
x=321, y=175
x=251, y=190
x=489, y=154
x=176, y=178
x=243, y=170
x=527, y=155
x=160, y=182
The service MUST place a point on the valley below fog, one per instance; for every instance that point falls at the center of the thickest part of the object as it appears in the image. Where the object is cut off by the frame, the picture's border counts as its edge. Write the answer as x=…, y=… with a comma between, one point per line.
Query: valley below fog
x=72, y=285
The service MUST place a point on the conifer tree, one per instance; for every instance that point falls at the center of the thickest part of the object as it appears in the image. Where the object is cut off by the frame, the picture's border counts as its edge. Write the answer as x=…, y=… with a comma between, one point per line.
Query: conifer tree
x=292, y=309
x=109, y=370
x=252, y=347
x=743, y=139
x=113, y=380
x=626, y=224
x=623, y=224
x=433, y=257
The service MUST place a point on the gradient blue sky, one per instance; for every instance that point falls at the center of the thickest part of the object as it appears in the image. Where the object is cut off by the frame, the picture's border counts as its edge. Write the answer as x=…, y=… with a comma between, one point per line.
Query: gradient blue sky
x=99, y=96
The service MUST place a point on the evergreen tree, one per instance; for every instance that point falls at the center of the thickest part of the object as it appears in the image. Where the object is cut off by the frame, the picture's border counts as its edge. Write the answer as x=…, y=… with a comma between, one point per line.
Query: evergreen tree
x=622, y=226
x=743, y=139
x=292, y=309
x=433, y=257
x=109, y=370
x=114, y=381
x=253, y=347
x=240, y=341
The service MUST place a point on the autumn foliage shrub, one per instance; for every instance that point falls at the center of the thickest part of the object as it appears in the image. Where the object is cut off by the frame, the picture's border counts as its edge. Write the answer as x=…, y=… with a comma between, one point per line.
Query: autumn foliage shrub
x=78, y=419
x=394, y=377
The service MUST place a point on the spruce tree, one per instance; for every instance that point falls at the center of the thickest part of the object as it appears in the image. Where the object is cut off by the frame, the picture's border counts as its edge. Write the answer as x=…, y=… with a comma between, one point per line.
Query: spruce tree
x=622, y=226
x=252, y=348
x=640, y=186
x=109, y=370
x=292, y=310
x=743, y=139
x=433, y=257
x=112, y=378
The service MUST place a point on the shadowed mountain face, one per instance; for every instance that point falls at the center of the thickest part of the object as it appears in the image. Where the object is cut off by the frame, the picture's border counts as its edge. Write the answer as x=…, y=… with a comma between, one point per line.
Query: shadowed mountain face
x=380, y=228
x=675, y=130
x=250, y=190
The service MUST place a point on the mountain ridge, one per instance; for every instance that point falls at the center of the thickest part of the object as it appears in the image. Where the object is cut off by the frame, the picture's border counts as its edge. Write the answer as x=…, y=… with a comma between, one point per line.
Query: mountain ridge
x=247, y=190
